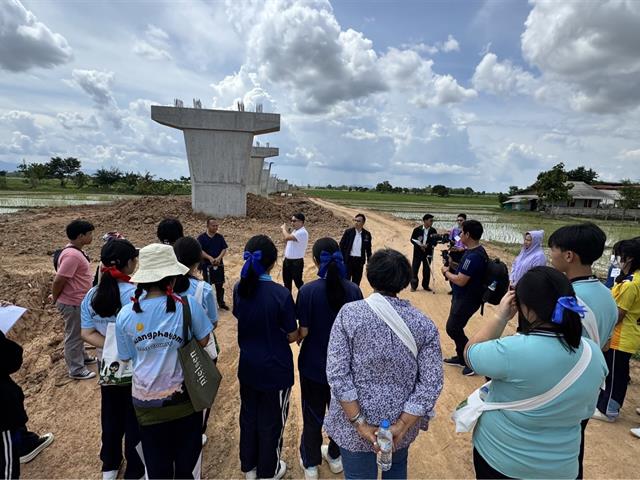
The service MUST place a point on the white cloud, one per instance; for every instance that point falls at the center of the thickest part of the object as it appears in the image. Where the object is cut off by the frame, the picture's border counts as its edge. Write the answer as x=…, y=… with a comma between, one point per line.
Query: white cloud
x=27, y=43
x=155, y=46
x=447, y=90
x=524, y=157
x=630, y=155
x=593, y=46
x=451, y=45
x=502, y=78
x=98, y=86
x=76, y=120
x=360, y=134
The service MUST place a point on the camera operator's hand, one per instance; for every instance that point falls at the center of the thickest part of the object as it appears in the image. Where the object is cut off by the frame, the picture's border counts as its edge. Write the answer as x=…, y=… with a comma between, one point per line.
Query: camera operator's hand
x=444, y=270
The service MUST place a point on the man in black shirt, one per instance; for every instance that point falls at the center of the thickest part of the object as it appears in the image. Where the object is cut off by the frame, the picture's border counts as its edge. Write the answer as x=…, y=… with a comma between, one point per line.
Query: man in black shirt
x=422, y=252
x=214, y=248
x=355, y=246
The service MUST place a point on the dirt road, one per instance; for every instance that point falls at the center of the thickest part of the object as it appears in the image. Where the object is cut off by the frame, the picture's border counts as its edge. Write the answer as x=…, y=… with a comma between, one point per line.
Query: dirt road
x=71, y=410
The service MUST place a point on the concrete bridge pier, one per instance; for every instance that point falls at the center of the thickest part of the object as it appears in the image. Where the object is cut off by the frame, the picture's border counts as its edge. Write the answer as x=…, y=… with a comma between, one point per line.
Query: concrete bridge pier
x=255, y=167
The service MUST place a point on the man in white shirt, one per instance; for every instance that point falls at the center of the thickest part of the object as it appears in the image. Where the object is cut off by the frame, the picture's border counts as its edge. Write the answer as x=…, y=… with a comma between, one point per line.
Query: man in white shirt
x=294, y=251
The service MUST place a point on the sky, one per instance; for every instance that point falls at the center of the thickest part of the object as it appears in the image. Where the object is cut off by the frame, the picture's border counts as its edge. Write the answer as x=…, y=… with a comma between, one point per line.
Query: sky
x=483, y=94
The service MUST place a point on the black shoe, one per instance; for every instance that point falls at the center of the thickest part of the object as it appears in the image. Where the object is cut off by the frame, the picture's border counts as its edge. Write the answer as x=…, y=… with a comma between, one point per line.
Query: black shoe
x=468, y=372
x=413, y=289
x=454, y=361
x=43, y=442
x=224, y=306
x=450, y=292
x=428, y=289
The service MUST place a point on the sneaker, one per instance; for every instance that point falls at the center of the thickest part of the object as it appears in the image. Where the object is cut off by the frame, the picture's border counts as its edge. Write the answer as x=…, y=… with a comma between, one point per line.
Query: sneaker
x=638, y=410
x=635, y=432
x=428, y=289
x=204, y=439
x=85, y=374
x=251, y=474
x=335, y=464
x=310, y=473
x=224, y=306
x=413, y=289
x=450, y=292
x=90, y=360
x=282, y=469
x=454, y=361
x=43, y=442
x=598, y=415
x=110, y=475
x=468, y=372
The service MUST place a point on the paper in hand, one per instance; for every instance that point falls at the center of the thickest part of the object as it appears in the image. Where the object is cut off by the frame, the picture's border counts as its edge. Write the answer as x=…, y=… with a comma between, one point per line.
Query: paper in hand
x=9, y=315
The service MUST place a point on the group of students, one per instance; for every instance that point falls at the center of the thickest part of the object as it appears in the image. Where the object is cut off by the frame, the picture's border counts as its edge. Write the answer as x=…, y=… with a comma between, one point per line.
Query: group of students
x=361, y=361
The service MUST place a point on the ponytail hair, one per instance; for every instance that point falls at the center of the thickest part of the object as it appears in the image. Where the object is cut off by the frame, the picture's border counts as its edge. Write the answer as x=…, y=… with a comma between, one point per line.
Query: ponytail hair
x=114, y=256
x=539, y=291
x=250, y=277
x=189, y=253
x=336, y=293
x=164, y=285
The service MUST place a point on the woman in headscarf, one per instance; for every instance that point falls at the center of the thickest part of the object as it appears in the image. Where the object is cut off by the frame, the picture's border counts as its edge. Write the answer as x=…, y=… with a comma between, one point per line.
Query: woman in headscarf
x=530, y=256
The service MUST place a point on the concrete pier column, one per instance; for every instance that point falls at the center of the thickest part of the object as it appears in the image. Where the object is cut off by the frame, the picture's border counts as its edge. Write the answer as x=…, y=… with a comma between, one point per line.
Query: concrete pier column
x=218, y=144
x=273, y=183
x=255, y=167
x=264, y=179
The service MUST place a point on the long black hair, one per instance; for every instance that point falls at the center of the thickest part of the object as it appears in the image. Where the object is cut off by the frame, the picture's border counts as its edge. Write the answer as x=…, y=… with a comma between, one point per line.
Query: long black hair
x=629, y=250
x=106, y=298
x=163, y=285
x=539, y=290
x=189, y=253
x=336, y=292
x=249, y=283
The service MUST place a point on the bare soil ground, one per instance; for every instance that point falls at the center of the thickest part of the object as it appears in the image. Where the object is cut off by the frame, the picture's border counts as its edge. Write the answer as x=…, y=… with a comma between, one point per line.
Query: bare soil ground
x=71, y=409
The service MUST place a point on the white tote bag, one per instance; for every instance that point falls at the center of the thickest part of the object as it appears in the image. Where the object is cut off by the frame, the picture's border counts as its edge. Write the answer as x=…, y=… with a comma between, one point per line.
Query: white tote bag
x=466, y=414
x=113, y=370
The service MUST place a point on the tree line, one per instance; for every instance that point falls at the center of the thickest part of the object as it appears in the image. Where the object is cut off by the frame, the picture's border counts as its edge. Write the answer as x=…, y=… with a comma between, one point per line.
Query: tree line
x=386, y=187
x=68, y=170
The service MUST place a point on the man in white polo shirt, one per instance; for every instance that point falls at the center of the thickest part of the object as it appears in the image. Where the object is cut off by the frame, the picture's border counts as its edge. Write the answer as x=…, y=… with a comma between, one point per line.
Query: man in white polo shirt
x=294, y=251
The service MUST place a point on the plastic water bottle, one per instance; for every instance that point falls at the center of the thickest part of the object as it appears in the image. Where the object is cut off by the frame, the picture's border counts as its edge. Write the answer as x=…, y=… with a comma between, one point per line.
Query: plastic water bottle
x=385, y=442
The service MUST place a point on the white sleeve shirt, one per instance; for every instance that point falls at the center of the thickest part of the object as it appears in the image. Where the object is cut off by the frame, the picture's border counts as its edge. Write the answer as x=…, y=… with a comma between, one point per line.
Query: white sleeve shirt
x=296, y=249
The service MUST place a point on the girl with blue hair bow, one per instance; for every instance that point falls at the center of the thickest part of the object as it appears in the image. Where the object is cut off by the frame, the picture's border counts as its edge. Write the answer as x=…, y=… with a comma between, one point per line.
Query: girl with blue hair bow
x=542, y=442
x=266, y=326
x=317, y=306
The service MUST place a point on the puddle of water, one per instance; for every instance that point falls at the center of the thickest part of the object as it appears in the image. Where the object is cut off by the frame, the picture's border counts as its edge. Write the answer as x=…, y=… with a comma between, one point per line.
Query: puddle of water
x=14, y=201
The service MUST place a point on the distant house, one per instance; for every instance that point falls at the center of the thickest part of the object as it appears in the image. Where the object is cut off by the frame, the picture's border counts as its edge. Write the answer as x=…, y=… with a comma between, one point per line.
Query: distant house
x=581, y=196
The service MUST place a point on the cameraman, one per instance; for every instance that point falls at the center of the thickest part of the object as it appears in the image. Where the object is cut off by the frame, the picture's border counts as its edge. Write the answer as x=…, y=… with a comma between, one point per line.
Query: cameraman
x=423, y=239
x=467, y=290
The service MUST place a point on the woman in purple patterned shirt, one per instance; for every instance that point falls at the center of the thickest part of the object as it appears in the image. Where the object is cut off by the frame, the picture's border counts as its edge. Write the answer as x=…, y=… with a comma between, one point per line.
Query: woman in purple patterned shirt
x=376, y=375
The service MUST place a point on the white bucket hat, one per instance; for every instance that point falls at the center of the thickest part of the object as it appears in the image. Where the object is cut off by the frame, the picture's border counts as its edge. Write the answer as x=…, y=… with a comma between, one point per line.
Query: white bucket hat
x=155, y=262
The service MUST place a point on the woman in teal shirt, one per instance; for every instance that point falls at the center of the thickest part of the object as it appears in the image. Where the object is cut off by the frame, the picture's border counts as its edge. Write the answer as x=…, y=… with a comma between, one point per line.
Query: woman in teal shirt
x=543, y=442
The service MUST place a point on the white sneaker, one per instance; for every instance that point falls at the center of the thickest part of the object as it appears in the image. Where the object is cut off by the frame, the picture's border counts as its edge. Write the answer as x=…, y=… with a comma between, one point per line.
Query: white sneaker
x=598, y=415
x=251, y=474
x=638, y=410
x=635, y=432
x=310, y=473
x=110, y=475
x=281, y=470
x=335, y=464
x=85, y=374
x=204, y=439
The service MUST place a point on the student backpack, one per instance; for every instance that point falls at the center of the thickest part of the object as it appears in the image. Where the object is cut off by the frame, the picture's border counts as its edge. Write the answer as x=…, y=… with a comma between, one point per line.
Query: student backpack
x=56, y=255
x=495, y=283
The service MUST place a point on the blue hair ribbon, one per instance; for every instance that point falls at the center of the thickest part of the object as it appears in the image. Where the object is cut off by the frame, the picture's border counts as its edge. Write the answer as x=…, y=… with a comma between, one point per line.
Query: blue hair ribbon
x=252, y=259
x=567, y=303
x=326, y=258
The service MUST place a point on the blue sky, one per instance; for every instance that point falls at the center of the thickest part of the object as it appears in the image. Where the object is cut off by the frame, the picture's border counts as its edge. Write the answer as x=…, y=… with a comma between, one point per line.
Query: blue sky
x=481, y=94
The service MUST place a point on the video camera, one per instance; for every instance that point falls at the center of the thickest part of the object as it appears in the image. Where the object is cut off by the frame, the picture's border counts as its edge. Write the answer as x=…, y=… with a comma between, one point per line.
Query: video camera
x=437, y=238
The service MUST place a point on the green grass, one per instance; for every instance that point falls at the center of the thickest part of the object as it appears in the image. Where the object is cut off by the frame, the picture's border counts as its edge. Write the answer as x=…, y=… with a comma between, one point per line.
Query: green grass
x=16, y=185
x=371, y=197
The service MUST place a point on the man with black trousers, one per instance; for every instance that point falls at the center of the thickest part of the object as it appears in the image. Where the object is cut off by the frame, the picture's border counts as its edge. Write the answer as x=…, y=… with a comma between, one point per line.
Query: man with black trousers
x=467, y=283
x=214, y=248
x=294, y=251
x=422, y=252
x=355, y=246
